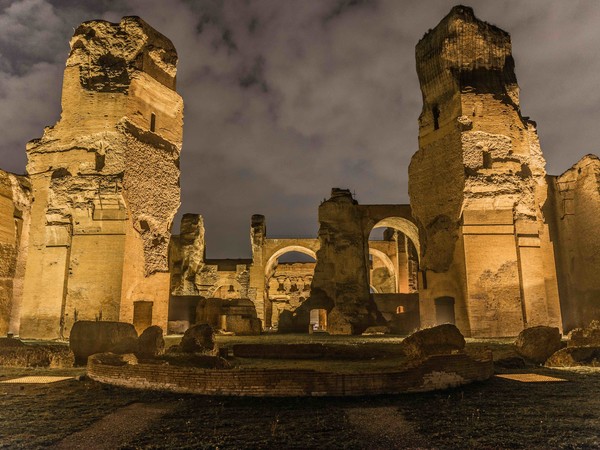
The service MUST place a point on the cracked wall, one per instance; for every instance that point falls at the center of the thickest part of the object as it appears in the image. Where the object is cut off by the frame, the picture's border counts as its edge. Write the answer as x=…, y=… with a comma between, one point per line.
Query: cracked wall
x=15, y=202
x=105, y=183
x=477, y=184
x=576, y=209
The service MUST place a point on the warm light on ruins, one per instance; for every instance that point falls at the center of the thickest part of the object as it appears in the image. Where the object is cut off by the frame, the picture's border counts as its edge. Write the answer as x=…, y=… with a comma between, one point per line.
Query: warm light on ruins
x=490, y=268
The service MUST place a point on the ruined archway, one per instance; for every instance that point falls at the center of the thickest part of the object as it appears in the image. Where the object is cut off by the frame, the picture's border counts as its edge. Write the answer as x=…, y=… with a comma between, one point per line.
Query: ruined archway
x=404, y=226
x=282, y=251
x=389, y=270
x=287, y=284
x=227, y=289
x=400, y=243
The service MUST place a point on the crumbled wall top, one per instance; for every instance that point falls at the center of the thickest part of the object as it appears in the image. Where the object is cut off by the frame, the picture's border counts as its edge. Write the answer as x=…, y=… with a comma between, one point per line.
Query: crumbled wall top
x=107, y=54
x=469, y=51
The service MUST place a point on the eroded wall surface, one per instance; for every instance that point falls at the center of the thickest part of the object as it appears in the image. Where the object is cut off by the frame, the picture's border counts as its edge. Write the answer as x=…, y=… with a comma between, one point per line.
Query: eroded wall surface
x=576, y=195
x=15, y=203
x=477, y=185
x=105, y=183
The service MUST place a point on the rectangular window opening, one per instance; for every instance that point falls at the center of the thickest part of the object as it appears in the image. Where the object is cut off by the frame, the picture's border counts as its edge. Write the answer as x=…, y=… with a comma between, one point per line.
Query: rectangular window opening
x=153, y=122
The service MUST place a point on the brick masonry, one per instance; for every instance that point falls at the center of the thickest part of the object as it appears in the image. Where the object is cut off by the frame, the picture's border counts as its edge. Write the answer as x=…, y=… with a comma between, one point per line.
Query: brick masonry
x=433, y=373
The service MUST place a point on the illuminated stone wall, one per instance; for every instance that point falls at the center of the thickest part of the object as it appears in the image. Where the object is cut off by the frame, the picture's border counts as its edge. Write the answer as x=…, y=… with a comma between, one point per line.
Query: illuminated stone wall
x=477, y=184
x=105, y=183
x=576, y=233
x=15, y=201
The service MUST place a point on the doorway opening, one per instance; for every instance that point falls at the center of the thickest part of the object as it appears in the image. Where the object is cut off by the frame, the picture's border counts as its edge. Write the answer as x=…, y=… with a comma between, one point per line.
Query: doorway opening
x=318, y=321
x=444, y=310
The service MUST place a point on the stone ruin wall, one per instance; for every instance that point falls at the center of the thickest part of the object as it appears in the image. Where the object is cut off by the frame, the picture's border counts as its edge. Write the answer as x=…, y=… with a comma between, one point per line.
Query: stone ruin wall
x=341, y=280
x=286, y=286
x=477, y=184
x=15, y=203
x=575, y=232
x=105, y=181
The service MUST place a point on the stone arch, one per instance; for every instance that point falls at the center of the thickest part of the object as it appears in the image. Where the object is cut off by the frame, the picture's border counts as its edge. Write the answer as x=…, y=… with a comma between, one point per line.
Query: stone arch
x=405, y=226
x=287, y=249
x=387, y=262
x=225, y=283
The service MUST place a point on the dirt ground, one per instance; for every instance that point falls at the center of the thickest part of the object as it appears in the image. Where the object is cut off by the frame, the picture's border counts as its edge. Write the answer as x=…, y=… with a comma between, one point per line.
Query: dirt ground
x=499, y=413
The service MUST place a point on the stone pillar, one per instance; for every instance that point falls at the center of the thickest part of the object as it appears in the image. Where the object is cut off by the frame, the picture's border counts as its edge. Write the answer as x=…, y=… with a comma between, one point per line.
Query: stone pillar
x=105, y=182
x=479, y=173
x=257, y=290
x=341, y=282
x=15, y=204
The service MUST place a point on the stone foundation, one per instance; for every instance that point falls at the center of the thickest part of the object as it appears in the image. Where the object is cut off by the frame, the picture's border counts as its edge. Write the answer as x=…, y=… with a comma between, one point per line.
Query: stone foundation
x=434, y=373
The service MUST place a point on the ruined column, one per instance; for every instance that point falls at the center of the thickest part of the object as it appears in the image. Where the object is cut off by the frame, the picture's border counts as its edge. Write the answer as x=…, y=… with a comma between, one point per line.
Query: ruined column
x=105, y=183
x=341, y=280
x=257, y=288
x=15, y=203
x=187, y=255
x=477, y=184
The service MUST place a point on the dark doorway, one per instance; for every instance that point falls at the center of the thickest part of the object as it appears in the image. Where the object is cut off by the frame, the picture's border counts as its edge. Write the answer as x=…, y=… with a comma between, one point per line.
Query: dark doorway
x=444, y=310
x=142, y=315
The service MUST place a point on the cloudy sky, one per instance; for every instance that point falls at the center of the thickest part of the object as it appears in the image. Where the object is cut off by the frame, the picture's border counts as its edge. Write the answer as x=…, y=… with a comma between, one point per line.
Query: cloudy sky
x=285, y=99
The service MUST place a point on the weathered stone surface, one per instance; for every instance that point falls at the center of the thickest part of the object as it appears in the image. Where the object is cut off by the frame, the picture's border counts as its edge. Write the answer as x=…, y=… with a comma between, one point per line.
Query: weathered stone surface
x=576, y=210
x=90, y=337
x=106, y=183
x=243, y=326
x=114, y=359
x=575, y=356
x=341, y=280
x=538, y=343
x=199, y=339
x=15, y=203
x=235, y=315
x=187, y=251
x=381, y=329
x=200, y=361
x=439, y=340
x=588, y=336
x=476, y=182
x=151, y=343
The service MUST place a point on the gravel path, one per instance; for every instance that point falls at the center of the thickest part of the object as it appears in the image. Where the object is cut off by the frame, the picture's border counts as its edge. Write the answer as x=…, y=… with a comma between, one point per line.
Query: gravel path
x=117, y=428
x=385, y=427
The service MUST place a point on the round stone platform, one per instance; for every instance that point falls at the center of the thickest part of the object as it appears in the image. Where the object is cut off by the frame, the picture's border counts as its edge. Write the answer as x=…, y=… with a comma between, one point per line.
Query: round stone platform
x=434, y=373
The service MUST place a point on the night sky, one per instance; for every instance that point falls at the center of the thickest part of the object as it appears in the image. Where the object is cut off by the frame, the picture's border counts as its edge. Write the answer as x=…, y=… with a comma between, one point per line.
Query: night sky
x=286, y=99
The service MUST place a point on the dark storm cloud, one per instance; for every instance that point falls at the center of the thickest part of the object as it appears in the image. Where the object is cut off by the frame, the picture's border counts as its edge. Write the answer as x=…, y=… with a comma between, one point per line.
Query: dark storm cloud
x=285, y=99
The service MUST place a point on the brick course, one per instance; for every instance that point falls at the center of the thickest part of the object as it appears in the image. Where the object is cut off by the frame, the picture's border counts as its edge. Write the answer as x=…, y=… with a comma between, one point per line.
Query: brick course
x=433, y=373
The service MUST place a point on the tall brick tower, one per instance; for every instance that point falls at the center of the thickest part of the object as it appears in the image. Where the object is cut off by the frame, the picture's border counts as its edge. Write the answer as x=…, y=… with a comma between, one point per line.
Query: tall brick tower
x=477, y=187
x=105, y=183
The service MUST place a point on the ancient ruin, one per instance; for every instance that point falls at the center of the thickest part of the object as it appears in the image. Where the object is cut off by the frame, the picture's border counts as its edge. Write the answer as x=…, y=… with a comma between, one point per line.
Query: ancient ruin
x=105, y=185
x=489, y=242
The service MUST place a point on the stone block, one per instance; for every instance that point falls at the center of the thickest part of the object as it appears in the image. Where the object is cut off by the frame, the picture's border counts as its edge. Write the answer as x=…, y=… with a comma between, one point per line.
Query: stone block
x=199, y=339
x=439, y=340
x=538, y=343
x=151, y=343
x=90, y=337
x=575, y=356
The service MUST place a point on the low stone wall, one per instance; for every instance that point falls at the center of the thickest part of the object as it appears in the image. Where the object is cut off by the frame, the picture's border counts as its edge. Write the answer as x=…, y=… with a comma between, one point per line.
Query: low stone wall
x=436, y=372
